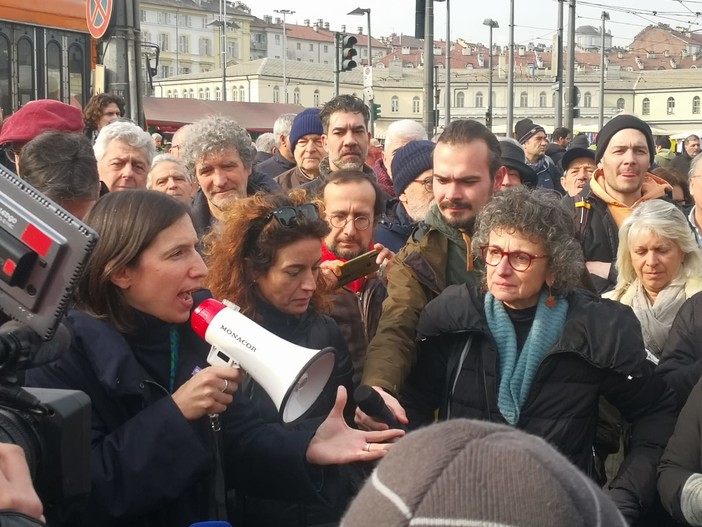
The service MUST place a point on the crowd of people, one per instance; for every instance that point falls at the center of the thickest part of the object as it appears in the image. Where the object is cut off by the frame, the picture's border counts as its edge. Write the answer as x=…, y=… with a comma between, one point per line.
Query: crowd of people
x=538, y=299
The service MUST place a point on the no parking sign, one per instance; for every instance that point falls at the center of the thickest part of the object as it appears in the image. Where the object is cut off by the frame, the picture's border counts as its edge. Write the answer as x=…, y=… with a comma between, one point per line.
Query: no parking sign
x=98, y=14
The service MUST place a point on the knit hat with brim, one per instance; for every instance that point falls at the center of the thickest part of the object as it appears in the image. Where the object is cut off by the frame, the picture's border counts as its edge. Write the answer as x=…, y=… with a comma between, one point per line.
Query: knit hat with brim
x=619, y=123
x=465, y=472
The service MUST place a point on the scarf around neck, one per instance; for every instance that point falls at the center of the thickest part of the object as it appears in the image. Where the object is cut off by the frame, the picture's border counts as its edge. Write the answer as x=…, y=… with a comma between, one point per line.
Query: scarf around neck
x=657, y=319
x=518, y=367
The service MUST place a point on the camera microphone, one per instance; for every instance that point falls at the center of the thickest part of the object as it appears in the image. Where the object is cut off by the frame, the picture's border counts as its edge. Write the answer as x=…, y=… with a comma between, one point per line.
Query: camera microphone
x=22, y=348
x=372, y=404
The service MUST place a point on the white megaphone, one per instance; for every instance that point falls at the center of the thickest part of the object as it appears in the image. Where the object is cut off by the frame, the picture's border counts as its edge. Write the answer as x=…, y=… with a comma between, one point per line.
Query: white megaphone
x=293, y=376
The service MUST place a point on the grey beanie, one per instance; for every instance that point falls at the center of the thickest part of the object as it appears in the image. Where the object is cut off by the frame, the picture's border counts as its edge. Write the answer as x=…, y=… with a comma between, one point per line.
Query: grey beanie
x=466, y=472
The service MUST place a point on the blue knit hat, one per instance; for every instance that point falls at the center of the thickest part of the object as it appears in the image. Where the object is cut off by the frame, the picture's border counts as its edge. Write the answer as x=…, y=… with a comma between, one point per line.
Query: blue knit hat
x=409, y=162
x=306, y=122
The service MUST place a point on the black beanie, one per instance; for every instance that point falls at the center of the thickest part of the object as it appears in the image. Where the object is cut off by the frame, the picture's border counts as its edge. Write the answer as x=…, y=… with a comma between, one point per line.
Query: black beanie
x=525, y=129
x=466, y=472
x=410, y=161
x=622, y=122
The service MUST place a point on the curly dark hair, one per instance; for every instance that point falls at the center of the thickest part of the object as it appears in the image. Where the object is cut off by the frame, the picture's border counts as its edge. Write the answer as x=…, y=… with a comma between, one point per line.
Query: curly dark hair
x=92, y=113
x=541, y=216
x=343, y=103
x=246, y=239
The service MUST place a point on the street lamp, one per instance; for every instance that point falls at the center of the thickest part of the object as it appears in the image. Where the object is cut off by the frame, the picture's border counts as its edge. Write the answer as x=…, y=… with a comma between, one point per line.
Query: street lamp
x=605, y=16
x=222, y=24
x=366, y=11
x=285, y=12
x=492, y=24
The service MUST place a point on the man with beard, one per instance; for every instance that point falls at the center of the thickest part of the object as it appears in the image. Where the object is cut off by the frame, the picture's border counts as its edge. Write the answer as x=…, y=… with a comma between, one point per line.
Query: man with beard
x=467, y=163
x=532, y=137
x=353, y=203
x=306, y=144
x=345, y=139
x=218, y=151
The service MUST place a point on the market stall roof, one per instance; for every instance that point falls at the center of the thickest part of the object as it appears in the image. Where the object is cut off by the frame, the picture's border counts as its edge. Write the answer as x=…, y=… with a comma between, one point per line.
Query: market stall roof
x=167, y=115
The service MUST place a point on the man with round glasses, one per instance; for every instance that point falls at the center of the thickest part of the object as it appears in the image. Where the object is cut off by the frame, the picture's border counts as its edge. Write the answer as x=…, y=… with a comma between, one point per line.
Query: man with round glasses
x=353, y=203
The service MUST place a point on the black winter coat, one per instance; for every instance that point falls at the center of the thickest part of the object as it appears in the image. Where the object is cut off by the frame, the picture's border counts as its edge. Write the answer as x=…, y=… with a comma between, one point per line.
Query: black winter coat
x=683, y=455
x=315, y=331
x=394, y=227
x=600, y=352
x=681, y=359
x=150, y=466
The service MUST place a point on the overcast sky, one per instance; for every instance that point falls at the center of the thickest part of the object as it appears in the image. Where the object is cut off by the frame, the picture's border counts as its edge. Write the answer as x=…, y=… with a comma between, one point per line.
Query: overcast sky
x=534, y=20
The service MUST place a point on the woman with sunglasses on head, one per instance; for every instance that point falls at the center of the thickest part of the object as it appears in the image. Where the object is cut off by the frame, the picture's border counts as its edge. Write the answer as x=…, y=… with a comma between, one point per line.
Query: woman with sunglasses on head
x=535, y=352
x=265, y=257
x=155, y=430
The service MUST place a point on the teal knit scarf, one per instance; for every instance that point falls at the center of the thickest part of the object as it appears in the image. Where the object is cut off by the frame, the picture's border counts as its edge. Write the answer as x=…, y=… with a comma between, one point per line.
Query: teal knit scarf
x=517, y=369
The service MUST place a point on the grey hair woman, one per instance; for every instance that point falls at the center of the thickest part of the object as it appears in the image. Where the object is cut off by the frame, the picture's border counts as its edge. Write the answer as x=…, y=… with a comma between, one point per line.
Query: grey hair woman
x=659, y=265
x=533, y=350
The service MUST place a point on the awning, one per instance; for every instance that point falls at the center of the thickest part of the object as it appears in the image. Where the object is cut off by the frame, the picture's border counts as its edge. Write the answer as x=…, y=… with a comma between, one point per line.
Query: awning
x=167, y=115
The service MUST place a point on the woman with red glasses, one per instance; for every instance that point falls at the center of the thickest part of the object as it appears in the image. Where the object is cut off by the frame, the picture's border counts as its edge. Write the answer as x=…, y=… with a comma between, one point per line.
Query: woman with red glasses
x=533, y=351
x=265, y=257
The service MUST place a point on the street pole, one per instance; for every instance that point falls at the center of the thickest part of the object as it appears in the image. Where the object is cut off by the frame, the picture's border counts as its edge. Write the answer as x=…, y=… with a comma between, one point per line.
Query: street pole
x=428, y=120
x=447, y=89
x=605, y=16
x=337, y=62
x=570, y=81
x=223, y=29
x=371, y=121
x=491, y=24
x=285, y=12
x=510, y=76
x=558, y=106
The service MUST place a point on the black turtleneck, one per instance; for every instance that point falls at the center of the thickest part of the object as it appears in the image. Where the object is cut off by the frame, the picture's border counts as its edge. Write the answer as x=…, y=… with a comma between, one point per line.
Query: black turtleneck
x=522, y=320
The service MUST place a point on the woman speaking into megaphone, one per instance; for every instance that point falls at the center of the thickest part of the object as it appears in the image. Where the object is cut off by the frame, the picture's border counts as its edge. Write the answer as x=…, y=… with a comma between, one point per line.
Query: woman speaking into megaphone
x=160, y=454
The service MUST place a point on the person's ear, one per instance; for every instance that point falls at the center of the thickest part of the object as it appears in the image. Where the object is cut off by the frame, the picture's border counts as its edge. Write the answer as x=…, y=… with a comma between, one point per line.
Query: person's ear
x=499, y=177
x=122, y=278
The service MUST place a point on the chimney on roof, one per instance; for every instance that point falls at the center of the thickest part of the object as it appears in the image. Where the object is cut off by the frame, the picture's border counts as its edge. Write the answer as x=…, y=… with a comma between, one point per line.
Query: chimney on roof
x=267, y=19
x=360, y=30
x=343, y=28
x=320, y=22
x=326, y=26
x=278, y=21
x=307, y=22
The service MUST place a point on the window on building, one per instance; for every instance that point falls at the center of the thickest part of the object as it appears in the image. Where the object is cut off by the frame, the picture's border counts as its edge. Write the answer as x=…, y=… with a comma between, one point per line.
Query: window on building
x=416, y=105
x=620, y=103
x=524, y=99
x=395, y=104
x=235, y=95
x=460, y=99
x=542, y=99
x=299, y=46
x=184, y=44
x=184, y=71
x=646, y=106
x=163, y=41
x=143, y=15
x=316, y=98
x=276, y=94
x=277, y=39
x=169, y=94
x=587, y=100
x=696, y=104
x=311, y=47
x=200, y=93
x=205, y=46
x=164, y=72
x=207, y=94
x=161, y=18
x=218, y=94
x=326, y=49
x=191, y=94
x=241, y=94
x=671, y=105
x=296, y=96
x=479, y=99
x=146, y=36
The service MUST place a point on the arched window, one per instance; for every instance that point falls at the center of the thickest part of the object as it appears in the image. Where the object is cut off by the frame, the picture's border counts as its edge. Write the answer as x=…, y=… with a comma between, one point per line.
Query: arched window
x=296, y=96
x=242, y=94
x=191, y=94
x=696, y=104
x=671, y=105
x=200, y=93
x=25, y=56
x=207, y=94
x=276, y=94
x=395, y=104
x=460, y=99
x=524, y=99
x=235, y=94
x=169, y=94
x=587, y=100
x=54, y=71
x=553, y=98
x=315, y=98
x=542, y=99
x=218, y=94
x=416, y=108
x=620, y=103
x=646, y=106
x=479, y=99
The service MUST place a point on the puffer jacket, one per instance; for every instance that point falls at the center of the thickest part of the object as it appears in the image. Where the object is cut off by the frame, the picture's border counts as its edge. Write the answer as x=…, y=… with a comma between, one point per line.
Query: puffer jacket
x=600, y=352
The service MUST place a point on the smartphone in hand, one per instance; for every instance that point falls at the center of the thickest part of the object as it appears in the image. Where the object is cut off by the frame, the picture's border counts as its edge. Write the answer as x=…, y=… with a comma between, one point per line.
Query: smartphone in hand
x=358, y=267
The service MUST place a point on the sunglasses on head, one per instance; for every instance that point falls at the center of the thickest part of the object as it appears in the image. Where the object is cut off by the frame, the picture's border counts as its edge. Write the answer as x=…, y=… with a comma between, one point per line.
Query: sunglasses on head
x=287, y=216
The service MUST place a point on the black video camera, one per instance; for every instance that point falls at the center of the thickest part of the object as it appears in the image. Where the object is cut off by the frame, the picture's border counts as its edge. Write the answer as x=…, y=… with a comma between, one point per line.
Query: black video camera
x=43, y=250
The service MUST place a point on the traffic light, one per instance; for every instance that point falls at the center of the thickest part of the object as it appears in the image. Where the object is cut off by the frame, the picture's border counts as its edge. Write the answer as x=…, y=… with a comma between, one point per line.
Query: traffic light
x=488, y=119
x=375, y=108
x=348, y=52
